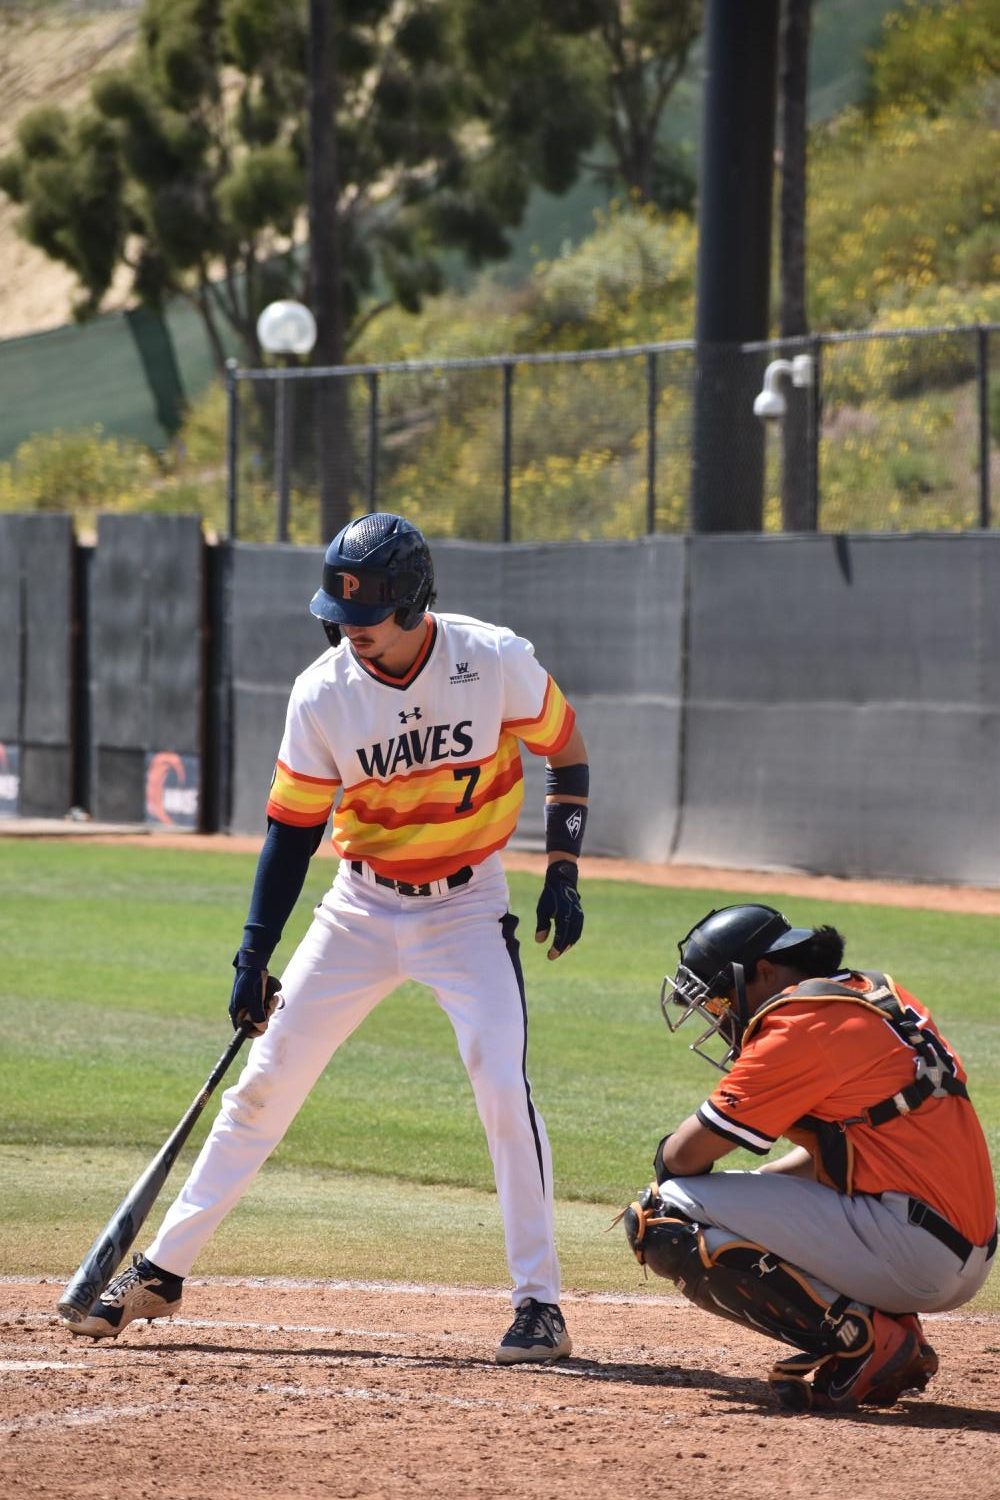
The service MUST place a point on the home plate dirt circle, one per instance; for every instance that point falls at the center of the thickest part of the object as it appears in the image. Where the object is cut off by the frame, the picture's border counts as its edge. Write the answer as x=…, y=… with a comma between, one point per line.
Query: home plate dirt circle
x=282, y=1389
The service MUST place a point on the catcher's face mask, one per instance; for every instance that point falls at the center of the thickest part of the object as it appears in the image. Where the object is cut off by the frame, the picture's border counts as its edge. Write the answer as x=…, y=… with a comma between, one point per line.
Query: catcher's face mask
x=686, y=995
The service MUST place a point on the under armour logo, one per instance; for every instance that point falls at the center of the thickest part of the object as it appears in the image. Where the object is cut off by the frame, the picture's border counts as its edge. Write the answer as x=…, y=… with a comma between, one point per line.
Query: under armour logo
x=405, y=717
x=349, y=585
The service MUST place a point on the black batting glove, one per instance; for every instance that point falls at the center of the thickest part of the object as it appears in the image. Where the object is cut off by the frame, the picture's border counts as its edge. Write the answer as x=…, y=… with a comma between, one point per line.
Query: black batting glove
x=559, y=903
x=255, y=994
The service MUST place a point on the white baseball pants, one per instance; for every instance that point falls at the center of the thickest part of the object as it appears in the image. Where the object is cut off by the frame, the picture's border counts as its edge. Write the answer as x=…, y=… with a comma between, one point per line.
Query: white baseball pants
x=366, y=939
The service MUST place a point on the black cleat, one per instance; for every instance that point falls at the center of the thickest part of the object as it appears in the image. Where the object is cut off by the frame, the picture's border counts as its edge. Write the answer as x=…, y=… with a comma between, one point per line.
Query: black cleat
x=143, y=1291
x=537, y=1334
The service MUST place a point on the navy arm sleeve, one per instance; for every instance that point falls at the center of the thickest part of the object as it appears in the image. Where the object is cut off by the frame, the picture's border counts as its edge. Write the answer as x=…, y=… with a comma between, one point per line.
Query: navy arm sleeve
x=281, y=873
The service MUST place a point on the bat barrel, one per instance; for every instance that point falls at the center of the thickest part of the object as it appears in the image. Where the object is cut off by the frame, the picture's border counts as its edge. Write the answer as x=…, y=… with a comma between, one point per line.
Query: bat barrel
x=119, y=1233
x=116, y=1238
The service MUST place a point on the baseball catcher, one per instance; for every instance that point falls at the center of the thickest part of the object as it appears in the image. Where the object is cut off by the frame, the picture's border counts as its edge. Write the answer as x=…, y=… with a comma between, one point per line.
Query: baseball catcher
x=885, y=1206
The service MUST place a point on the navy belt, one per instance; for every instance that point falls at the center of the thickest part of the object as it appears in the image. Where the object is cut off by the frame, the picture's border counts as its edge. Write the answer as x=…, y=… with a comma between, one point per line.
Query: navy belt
x=927, y=1218
x=405, y=888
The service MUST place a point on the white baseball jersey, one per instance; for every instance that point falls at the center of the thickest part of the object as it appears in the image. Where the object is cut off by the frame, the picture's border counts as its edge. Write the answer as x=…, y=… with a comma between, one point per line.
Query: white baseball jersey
x=426, y=775
x=426, y=767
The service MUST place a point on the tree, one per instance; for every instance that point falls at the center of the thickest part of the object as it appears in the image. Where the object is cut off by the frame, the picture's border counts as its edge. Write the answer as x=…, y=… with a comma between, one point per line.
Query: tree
x=405, y=129
x=326, y=270
x=190, y=167
x=630, y=58
x=193, y=167
x=647, y=46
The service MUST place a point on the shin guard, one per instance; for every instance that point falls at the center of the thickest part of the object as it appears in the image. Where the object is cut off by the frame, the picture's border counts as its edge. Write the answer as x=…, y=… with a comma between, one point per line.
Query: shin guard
x=746, y=1283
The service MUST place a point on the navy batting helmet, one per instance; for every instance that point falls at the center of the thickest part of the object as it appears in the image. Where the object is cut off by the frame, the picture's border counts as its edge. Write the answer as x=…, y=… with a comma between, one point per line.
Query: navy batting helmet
x=375, y=567
x=709, y=981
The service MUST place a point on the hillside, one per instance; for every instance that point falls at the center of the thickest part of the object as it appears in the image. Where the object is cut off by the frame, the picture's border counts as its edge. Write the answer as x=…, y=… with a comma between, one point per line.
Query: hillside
x=48, y=54
x=50, y=50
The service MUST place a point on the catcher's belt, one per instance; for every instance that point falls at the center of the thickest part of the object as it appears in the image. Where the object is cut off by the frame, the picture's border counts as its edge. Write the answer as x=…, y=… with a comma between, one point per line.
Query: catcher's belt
x=928, y=1218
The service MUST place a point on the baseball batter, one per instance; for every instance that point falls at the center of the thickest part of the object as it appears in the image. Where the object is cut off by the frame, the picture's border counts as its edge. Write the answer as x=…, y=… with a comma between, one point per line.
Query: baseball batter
x=884, y=1208
x=408, y=730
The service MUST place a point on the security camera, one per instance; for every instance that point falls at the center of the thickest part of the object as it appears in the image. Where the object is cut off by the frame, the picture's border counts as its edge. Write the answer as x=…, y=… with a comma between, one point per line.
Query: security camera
x=770, y=405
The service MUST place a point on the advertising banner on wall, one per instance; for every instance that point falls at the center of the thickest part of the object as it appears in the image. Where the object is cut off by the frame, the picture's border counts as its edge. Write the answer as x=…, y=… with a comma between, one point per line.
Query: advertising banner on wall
x=173, y=786
x=10, y=779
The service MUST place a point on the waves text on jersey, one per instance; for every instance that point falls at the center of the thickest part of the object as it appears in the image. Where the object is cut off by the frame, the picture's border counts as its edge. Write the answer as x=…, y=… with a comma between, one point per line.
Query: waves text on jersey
x=416, y=747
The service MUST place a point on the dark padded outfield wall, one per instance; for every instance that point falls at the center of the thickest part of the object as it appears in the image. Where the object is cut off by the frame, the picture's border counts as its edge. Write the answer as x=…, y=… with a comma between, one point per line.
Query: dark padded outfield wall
x=10, y=630
x=822, y=703
x=36, y=691
x=273, y=638
x=147, y=615
x=843, y=711
x=605, y=618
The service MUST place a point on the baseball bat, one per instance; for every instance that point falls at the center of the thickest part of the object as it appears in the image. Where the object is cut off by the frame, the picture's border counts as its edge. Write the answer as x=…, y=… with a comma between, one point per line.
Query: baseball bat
x=119, y=1233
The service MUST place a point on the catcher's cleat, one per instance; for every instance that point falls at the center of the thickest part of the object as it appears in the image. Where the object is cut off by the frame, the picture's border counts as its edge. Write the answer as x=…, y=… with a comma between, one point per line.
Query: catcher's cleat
x=537, y=1334
x=928, y=1362
x=889, y=1363
x=141, y=1291
x=789, y=1380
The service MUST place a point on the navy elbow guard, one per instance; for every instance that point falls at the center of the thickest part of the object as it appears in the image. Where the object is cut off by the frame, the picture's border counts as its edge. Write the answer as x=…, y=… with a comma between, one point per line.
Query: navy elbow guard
x=567, y=781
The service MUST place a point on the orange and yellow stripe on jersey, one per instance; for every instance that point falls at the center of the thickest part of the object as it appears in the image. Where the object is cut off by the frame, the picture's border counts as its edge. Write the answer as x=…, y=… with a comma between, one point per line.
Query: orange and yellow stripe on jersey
x=548, y=732
x=300, y=800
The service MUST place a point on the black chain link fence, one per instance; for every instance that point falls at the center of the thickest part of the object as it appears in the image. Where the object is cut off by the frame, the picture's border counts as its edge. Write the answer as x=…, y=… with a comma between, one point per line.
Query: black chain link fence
x=876, y=432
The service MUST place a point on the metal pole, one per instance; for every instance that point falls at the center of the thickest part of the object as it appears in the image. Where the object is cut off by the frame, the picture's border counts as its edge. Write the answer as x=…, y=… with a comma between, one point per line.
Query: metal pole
x=816, y=430
x=508, y=383
x=232, y=447
x=733, y=275
x=651, y=393
x=983, y=385
x=281, y=455
x=373, y=440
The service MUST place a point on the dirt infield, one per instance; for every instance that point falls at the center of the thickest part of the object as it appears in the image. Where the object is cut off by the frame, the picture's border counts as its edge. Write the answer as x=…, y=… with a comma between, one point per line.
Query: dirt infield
x=340, y=1390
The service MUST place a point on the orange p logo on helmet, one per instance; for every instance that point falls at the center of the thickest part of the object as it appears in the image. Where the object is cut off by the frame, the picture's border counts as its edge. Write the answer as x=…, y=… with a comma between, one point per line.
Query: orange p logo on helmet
x=349, y=584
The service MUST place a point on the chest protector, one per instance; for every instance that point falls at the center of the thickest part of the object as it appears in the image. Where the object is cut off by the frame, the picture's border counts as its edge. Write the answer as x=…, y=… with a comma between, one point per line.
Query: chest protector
x=934, y=1072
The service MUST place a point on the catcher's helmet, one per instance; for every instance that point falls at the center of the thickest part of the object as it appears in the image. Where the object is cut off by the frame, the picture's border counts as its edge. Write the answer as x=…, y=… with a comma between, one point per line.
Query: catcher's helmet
x=376, y=566
x=710, y=976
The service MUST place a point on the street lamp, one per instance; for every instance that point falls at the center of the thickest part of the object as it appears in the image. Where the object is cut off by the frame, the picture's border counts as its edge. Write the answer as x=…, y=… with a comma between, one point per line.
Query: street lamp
x=286, y=329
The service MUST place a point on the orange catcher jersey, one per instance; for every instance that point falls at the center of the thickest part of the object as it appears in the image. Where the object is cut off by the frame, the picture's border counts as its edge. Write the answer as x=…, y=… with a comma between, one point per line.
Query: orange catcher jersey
x=425, y=770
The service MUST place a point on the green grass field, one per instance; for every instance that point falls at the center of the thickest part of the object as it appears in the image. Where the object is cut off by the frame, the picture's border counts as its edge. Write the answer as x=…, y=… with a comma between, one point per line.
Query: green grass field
x=113, y=990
